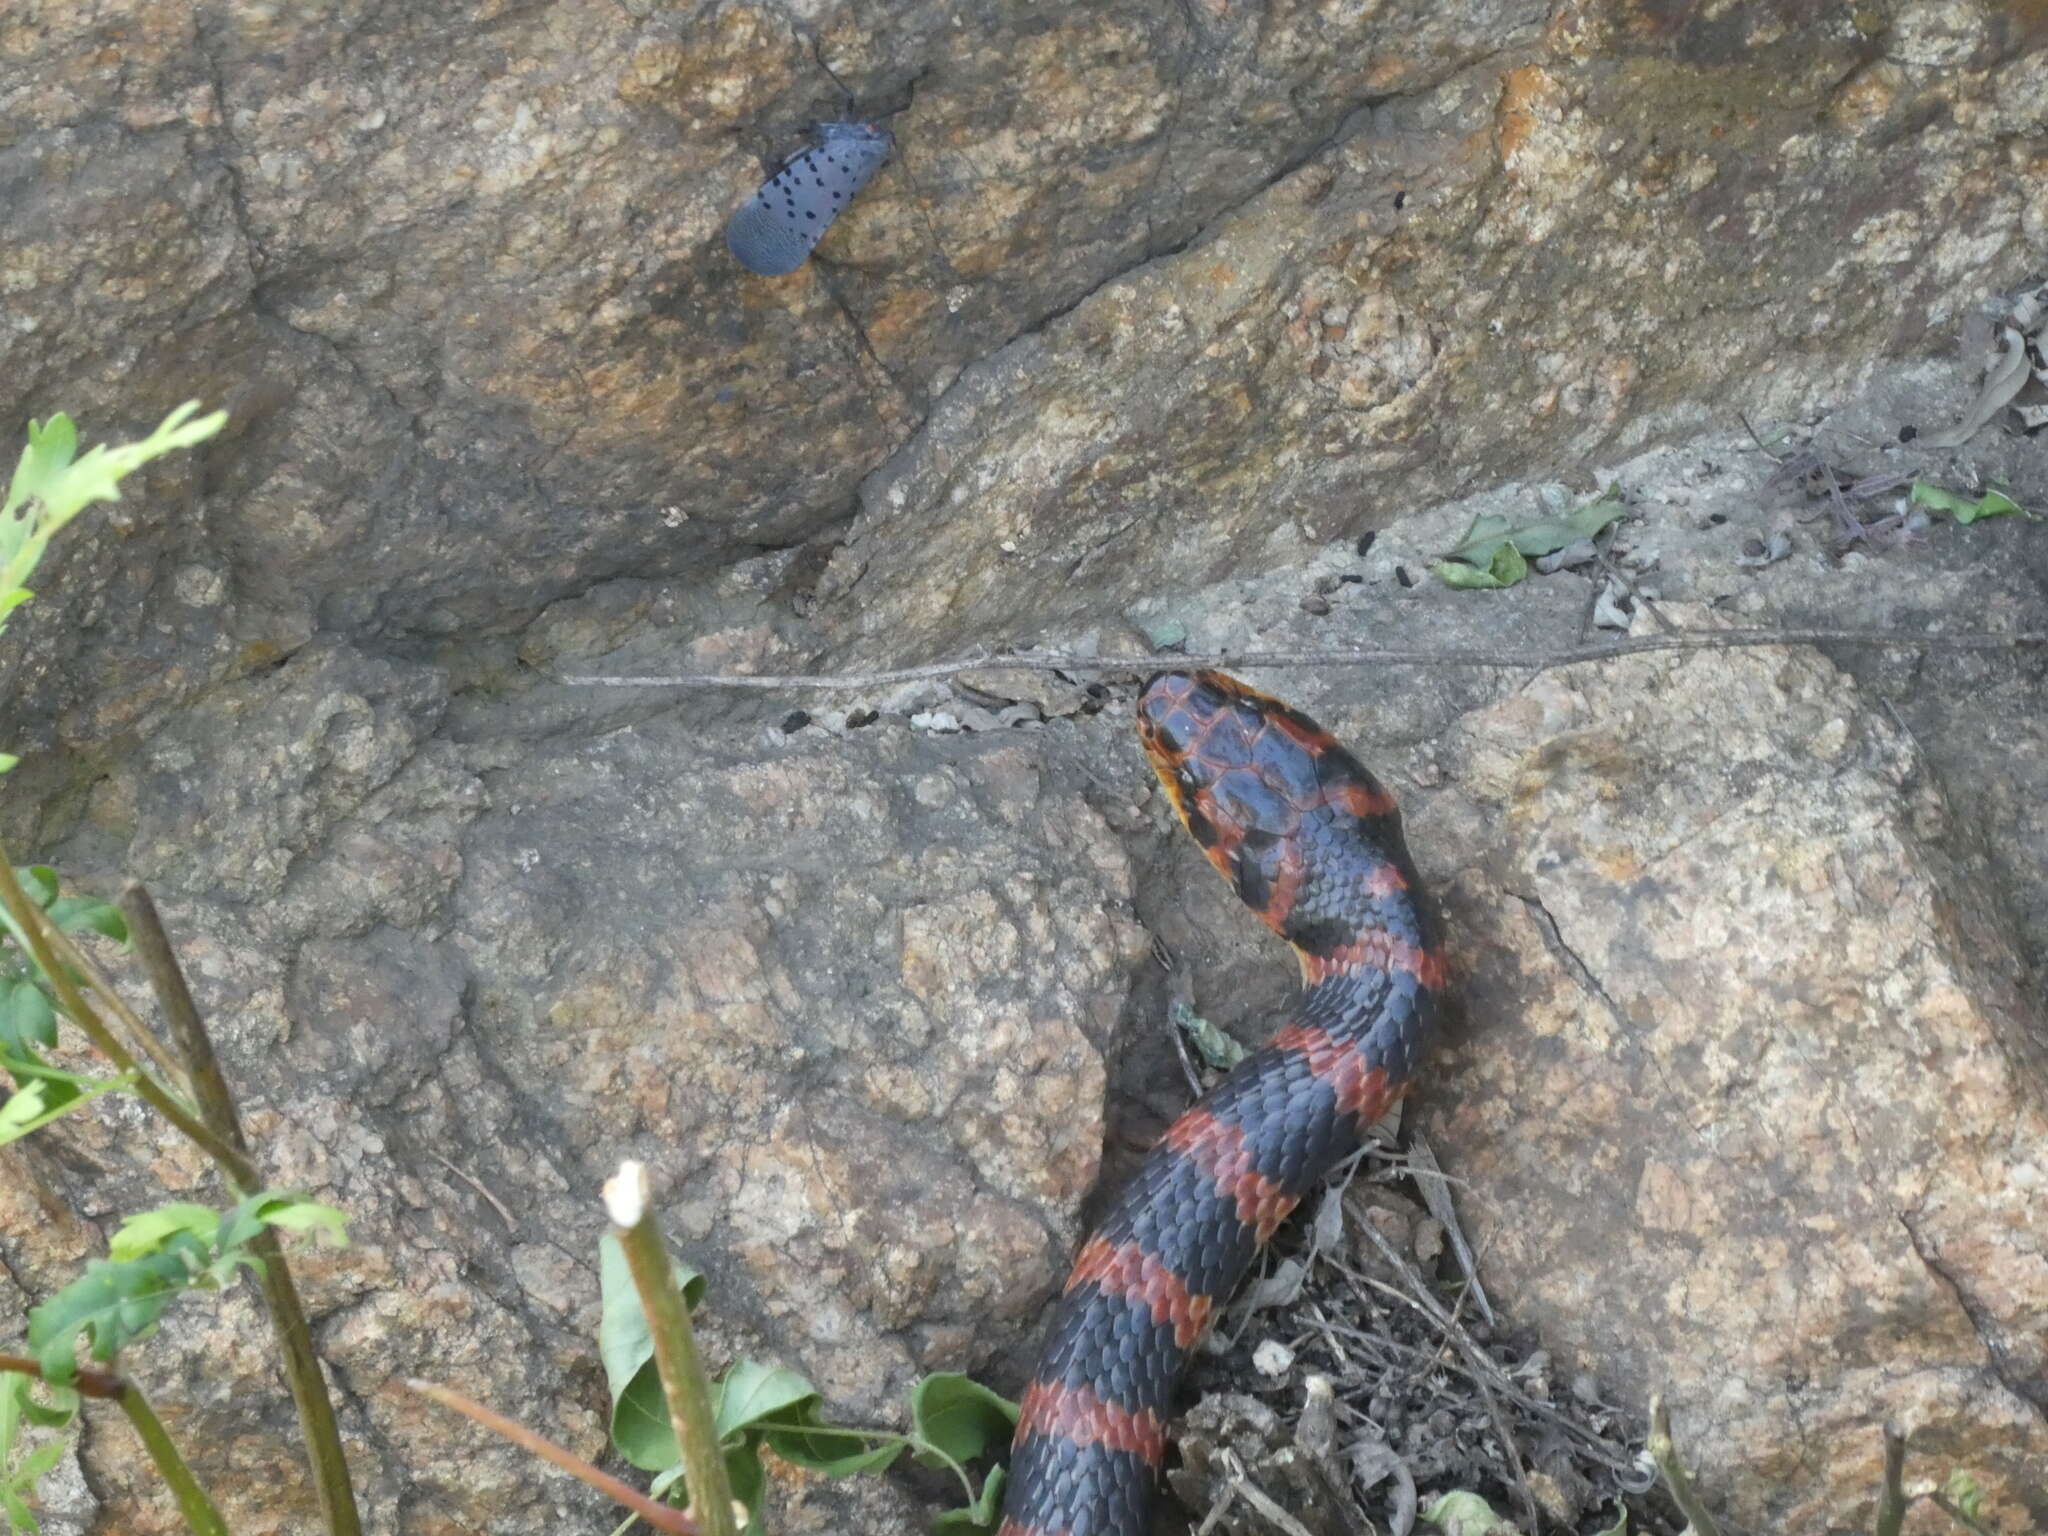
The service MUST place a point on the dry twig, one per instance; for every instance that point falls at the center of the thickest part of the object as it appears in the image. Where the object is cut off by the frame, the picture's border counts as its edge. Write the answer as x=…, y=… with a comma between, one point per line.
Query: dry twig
x=1413, y=656
x=663, y=1517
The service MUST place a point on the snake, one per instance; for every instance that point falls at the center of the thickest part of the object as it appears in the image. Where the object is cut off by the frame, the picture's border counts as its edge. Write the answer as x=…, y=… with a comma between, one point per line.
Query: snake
x=1312, y=843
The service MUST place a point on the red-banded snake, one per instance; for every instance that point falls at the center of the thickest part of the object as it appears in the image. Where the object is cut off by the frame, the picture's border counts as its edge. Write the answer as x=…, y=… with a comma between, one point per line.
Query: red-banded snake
x=1312, y=843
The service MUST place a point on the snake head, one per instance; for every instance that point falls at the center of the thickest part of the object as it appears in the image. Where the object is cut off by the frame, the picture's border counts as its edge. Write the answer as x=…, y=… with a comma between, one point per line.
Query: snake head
x=1285, y=814
x=1244, y=760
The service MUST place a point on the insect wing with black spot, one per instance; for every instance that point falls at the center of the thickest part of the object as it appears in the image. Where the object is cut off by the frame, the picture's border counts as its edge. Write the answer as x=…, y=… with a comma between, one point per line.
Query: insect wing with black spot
x=776, y=229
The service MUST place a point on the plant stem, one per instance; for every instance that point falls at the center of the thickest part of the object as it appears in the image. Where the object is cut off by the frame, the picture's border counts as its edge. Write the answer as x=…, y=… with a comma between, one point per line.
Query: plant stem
x=309, y=1388
x=86, y=1383
x=193, y=1503
x=33, y=925
x=69, y=952
x=1947, y=1506
x=1891, y=1503
x=188, y=1030
x=301, y=1361
x=1665, y=1455
x=197, y=1508
x=675, y=1349
x=662, y=1517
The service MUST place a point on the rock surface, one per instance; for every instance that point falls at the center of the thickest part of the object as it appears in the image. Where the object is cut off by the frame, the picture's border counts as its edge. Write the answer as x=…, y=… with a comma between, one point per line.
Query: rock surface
x=465, y=291
x=1158, y=311
x=1765, y=1029
x=849, y=1000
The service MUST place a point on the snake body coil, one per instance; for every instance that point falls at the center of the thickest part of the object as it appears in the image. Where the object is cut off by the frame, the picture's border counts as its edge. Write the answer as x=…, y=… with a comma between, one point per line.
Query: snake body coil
x=1312, y=844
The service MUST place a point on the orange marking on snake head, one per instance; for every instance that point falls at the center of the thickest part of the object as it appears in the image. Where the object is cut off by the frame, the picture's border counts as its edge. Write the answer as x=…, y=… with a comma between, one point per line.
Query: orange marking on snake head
x=1076, y=1415
x=1362, y=800
x=1218, y=1149
x=1290, y=871
x=1128, y=1271
x=1304, y=733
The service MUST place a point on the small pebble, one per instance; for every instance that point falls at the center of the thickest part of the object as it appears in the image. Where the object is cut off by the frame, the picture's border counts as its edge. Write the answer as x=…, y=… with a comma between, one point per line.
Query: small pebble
x=1272, y=1358
x=1429, y=1239
x=1164, y=634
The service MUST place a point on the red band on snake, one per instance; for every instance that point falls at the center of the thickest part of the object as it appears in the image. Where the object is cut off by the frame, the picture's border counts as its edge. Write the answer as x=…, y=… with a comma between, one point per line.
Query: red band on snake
x=1312, y=843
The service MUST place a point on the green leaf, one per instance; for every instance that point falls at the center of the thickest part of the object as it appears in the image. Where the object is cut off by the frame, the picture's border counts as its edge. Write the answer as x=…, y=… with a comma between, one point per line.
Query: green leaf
x=823, y=1448
x=1466, y=1514
x=23, y=1112
x=982, y=1514
x=959, y=1417
x=1962, y=508
x=1963, y=1492
x=34, y=1467
x=283, y=1209
x=51, y=485
x=752, y=1393
x=13, y=1393
x=72, y=913
x=744, y=1474
x=1214, y=1047
x=294, y=1213
x=18, y=1478
x=1504, y=568
x=57, y=1413
x=7, y=761
x=39, y=881
x=112, y=1304
x=46, y=1094
x=49, y=452
x=13, y=931
x=748, y=1480
x=26, y=1017
x=640, y=1427
x=800, y=1435
x=1492, y=553
x=66, y=486
x=147, y=1231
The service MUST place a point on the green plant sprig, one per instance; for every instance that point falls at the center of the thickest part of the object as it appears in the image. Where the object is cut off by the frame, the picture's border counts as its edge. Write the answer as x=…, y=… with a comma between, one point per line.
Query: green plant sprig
x=52, y=485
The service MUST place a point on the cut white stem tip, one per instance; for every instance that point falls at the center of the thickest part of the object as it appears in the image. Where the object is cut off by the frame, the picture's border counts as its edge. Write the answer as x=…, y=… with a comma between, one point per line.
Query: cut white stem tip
x=625, y=1194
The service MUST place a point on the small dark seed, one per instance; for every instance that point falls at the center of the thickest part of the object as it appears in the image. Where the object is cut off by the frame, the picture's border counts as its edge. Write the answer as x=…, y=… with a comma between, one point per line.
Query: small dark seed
x=794, y=721
x=1401, y=575
x=1365, y=542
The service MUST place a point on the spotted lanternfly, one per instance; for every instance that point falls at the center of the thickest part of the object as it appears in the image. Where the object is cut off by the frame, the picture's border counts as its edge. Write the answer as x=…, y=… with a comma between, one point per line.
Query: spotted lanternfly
x=776, y=229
